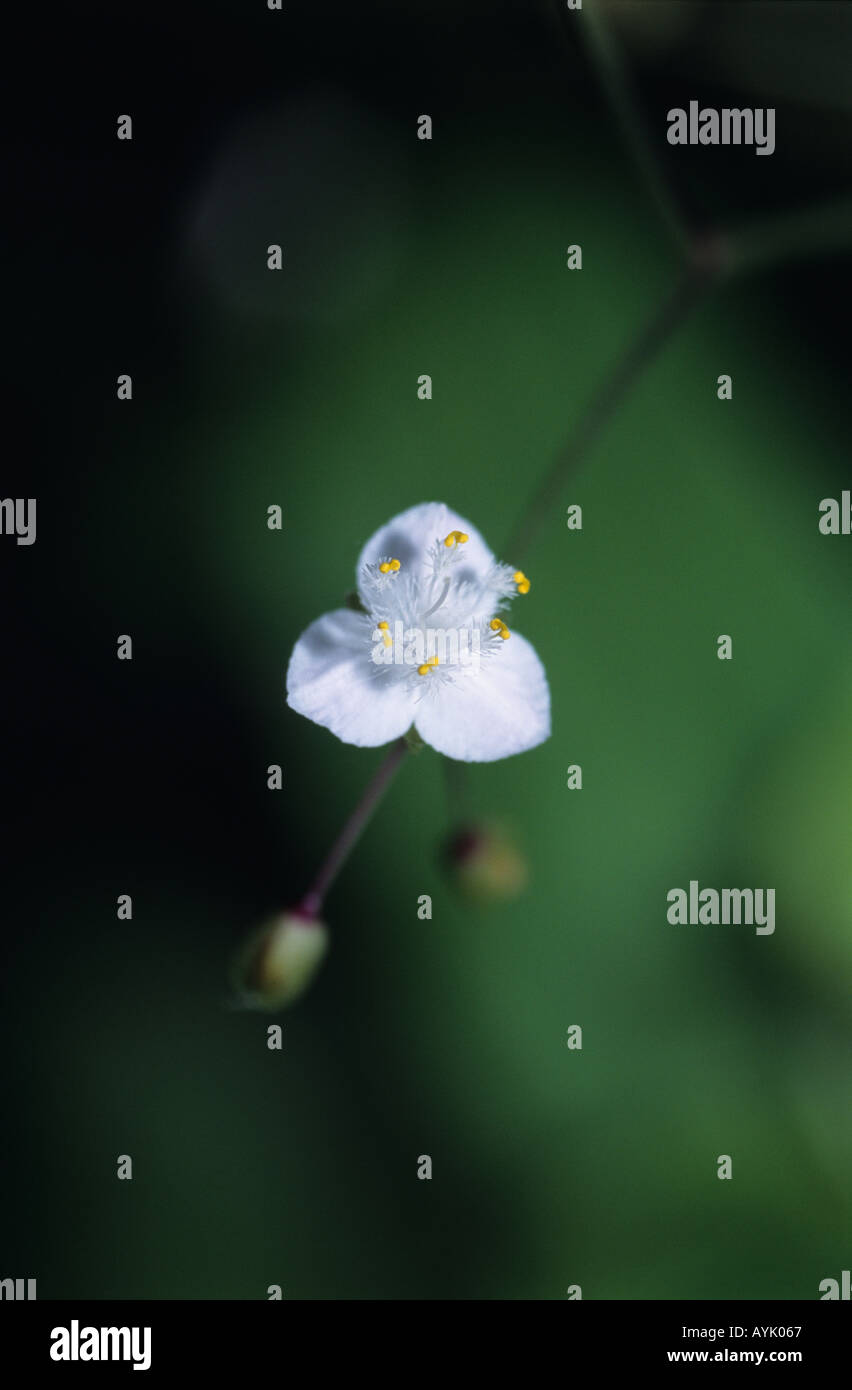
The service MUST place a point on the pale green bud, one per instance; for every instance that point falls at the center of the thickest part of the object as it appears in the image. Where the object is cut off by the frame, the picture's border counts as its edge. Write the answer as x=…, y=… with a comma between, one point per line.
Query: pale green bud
x=278, y=961
x=486, y=864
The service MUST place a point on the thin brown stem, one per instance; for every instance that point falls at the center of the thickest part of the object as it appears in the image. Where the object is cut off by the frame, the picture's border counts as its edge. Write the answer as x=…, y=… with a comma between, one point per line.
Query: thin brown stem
x=311, y=903
x=604, y=403
x=608, y=60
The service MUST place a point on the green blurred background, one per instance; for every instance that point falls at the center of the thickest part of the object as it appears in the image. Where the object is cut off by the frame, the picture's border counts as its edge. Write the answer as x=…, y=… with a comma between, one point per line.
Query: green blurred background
x=446, y=1037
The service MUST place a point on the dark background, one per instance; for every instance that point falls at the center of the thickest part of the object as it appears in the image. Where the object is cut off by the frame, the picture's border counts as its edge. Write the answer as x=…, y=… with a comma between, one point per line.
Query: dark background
x=445, y=1037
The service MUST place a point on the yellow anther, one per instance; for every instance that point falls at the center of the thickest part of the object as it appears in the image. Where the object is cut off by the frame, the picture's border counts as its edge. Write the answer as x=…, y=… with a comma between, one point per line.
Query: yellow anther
x=427, y=666
x=389, y=567
x=522, y=582
x=505, y=633
x=519, y=576
x=456, y=538
x=496, y=624
x=384, y=626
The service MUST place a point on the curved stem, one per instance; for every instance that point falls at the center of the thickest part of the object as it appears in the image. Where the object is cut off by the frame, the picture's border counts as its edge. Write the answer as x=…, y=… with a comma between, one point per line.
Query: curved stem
x=823, y=228
x=606, y=56
x=608, y=397
x=311, y=903
x=457, y=780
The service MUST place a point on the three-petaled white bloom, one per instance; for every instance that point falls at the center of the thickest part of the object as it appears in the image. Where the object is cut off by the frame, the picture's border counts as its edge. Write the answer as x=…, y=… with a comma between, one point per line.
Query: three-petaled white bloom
x=429, y=649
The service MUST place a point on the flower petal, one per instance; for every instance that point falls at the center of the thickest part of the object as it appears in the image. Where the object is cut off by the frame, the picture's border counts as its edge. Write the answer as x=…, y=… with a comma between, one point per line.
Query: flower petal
x=332, y=680
x=410, y=536
x=501, y=709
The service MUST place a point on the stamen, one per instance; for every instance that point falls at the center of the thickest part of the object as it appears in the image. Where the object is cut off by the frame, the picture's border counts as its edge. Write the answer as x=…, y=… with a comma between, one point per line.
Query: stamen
x=497, y=625
x=389, y=567
x=385, y=629
x=522, y=582
x=427, y=666
x=455, y=538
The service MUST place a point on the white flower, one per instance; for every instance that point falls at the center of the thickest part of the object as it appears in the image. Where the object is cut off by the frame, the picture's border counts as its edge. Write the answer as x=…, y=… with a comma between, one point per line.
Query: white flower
x=430, y=649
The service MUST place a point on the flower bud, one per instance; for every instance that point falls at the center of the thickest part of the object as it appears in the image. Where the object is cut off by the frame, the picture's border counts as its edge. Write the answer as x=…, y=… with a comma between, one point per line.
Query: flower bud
x=486, y=863
x=278, y=961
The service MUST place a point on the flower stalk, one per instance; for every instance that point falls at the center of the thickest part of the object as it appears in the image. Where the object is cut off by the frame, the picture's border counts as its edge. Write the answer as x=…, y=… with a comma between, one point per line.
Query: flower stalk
x=310, y=905
x=615, y=387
